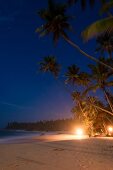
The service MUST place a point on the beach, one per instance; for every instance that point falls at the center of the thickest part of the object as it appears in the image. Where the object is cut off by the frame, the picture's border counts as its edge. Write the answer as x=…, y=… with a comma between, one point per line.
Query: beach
x=57, y=152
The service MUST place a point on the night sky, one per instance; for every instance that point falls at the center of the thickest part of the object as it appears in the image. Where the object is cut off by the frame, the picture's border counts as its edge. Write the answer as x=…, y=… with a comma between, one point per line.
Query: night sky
x=26, y=94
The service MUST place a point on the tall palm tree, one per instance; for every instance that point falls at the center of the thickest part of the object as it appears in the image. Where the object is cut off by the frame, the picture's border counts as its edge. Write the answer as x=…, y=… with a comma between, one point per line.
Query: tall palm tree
x=50, y=64
x=75, y=77
x=101, y=79
x=105, y=43
x=56, y=22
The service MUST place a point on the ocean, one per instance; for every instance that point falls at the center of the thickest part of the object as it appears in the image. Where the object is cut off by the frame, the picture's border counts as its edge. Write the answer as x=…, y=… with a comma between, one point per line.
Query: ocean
x=6, y=135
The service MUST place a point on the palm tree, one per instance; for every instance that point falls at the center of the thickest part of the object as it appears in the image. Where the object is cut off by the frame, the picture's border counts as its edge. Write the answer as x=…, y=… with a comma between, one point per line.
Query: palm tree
x=49, y=64
x=85, y=110
x=77, y=110
x=72, y=74
x=101, y=79
x=101, y=25
x=78, y=99
x=75, y=77
x=56, y=22
x=105, y=43
x=91, y=112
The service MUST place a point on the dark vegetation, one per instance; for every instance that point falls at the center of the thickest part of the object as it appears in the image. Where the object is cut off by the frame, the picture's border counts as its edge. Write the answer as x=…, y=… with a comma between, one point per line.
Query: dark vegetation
x=52, y=125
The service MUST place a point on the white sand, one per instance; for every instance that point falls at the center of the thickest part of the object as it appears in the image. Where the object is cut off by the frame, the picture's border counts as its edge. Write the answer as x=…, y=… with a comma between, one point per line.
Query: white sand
x=57, y=152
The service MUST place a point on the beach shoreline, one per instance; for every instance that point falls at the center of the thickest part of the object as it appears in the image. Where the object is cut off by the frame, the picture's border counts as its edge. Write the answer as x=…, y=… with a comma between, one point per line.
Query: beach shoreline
x=57, y=152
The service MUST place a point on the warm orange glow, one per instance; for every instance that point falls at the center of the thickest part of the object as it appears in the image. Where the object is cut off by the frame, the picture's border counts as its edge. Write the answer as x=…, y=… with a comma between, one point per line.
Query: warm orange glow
x=110, y=129
x=79, y=132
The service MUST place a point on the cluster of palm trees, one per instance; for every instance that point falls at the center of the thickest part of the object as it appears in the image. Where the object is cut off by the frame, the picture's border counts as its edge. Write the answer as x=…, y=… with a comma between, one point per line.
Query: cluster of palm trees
x=90, y=110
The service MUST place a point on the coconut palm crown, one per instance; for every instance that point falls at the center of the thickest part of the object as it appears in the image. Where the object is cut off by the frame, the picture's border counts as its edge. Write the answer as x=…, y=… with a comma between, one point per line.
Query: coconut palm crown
x=101, y=75
x=105, y=43
x=49, y=64
x=56, y=20
x=76, y=77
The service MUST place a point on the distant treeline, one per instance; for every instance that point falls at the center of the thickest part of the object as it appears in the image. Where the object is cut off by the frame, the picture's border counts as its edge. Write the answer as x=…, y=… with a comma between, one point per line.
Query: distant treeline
x=52, y=125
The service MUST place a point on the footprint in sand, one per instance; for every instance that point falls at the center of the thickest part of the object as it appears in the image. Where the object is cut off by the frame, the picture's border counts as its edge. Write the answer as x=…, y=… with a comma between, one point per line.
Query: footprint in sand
x=58, y=149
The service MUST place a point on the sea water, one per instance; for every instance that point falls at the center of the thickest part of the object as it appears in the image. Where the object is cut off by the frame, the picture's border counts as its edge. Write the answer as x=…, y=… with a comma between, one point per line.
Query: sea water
x=8, y=135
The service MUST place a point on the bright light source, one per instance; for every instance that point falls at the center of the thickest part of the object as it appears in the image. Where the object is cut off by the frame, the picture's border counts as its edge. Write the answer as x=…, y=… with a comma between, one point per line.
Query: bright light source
x=110, y=129
x=79, y=132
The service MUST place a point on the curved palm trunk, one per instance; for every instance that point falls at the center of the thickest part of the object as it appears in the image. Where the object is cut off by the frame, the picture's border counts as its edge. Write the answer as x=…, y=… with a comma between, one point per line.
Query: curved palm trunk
x=79, y=104
x=108, y=100
x=84, y=53
x=98, y=107
x=81, y=108
x=109, y=120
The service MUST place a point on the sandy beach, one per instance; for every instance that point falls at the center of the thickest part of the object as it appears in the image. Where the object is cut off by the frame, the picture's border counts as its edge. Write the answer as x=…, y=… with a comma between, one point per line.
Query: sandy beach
x=57, y=152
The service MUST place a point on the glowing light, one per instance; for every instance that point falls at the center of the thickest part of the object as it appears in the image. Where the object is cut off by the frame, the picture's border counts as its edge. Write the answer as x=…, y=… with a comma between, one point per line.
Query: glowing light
x=110, y=129
x=79, y=132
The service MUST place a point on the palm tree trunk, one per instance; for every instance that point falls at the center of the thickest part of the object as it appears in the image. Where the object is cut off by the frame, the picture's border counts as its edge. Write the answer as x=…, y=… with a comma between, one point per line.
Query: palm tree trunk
x=84, y=53
x=105, y=127
x=109, y=120
x=81, y=108
x=107, y=99
x=106, y=111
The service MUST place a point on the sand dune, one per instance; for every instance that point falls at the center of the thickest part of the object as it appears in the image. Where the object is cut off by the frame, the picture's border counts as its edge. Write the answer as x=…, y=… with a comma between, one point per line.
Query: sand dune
x=52, y=152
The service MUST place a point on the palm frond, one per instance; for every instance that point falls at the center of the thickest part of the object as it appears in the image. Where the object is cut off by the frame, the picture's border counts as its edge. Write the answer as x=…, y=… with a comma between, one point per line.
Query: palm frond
x=97, y=28
x=109, y=84
x=40, y=29
x=56, y=20
x=49, y=64
x=91, y=88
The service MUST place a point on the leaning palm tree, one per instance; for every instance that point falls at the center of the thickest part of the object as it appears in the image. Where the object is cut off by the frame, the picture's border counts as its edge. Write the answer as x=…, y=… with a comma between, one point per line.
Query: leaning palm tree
x=85, y=110
x=101, y=79
x=49, y=64
x=90, y=111
x=57, y=23
x=105, y=43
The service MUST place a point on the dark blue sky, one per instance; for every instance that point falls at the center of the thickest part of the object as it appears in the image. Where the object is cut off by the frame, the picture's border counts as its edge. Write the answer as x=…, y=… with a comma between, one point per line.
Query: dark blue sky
x=25, y=94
